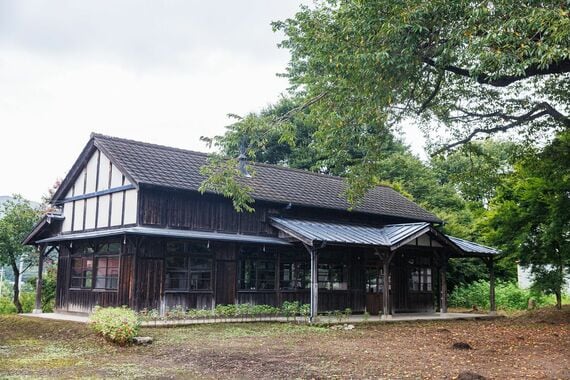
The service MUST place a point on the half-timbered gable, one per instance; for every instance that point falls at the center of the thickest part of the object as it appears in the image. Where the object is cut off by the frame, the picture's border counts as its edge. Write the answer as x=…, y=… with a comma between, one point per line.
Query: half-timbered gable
x=135, y=230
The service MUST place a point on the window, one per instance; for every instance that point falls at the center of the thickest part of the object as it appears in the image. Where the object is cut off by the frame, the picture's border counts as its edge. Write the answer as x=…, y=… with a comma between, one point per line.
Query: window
x=81, y=272
x=188, y=266
x=256, y=274
x=176, y=273
x=420, y=279
x=332, y=277
x=95, y=265
x=375, y=279
x=200, y=273
x=107, y=275
x=294, y=275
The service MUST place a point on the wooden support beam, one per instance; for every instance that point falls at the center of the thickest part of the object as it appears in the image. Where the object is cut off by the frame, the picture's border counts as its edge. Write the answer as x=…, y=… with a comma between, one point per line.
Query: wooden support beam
x=491, y=267
x=314, y=284
x=386, y=310
x=443, y=282
x=39, y=280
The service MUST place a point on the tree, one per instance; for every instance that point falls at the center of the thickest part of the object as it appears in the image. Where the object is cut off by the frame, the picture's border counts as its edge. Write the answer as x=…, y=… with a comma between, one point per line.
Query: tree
x=17, y=221
x=460, y=69
x=530, y=216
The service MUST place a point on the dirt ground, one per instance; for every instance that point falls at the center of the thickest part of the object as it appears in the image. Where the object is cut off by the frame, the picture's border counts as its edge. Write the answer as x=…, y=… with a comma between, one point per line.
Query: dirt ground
x=530, y=345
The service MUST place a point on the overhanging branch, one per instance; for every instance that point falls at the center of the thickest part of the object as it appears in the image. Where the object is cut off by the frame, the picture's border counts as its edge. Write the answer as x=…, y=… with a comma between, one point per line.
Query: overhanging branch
x=538, y=111
x=505, y=80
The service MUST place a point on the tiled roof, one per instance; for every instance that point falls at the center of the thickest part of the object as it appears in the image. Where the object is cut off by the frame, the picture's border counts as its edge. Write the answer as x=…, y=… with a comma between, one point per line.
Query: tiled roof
x=180, y=169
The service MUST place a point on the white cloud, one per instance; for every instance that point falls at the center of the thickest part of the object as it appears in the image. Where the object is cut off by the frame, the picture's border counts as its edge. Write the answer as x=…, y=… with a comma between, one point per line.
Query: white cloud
x=164, y=72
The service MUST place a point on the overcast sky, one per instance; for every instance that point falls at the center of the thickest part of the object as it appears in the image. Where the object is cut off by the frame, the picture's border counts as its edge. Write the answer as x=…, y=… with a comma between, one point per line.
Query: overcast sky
x=165, y=72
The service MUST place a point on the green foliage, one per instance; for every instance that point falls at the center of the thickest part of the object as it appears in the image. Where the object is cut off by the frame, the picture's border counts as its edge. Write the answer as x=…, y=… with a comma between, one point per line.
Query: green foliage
x=240, y=311
x=458, y=68
x=508, y=296
x=223, y=177
x=116, y=324
x=7, y=306
x=18, y=219
x=530, y=216
x=27, y=300
x=49, y=281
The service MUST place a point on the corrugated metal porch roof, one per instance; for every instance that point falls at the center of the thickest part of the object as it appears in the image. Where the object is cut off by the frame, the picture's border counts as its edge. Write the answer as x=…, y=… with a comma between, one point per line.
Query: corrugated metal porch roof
x=162, y=232
x=392, y=236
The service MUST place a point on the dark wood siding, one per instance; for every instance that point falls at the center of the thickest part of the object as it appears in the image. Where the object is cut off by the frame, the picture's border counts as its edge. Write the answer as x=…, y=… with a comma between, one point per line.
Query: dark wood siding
x=186, y=210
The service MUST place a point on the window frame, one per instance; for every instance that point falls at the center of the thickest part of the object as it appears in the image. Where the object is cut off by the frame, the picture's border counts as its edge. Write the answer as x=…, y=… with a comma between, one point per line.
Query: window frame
x=108, y=276
x=190, y=252
x=420, y=279
x=89, y=251
x=256, y=256
x=299, y=273
x=83, y=278
x=329, y=281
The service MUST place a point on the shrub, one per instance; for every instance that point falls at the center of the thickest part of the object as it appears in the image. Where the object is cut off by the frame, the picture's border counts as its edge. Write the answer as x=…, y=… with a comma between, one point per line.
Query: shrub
x=28, y=301
x=7, y=306
x=508, y=296
x=116, y=324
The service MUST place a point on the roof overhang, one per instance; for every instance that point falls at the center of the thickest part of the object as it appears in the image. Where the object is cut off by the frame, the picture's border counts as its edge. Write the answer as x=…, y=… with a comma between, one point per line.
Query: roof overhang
x=161, y=232
x=42, y=228
x=392, y=237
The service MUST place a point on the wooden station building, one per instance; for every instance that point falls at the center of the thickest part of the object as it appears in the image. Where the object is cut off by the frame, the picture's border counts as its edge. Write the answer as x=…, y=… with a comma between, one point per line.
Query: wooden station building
x=134, y=230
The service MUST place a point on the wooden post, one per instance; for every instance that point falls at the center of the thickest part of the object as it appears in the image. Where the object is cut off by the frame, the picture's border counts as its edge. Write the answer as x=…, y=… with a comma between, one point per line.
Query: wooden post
x=386, y=310
x=314, y=285
x=443, y=279
x=491, y=267
x=39, y=282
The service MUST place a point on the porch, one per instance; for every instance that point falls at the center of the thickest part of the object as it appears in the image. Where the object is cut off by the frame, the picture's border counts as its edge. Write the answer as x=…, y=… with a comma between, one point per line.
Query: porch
x=322, y=319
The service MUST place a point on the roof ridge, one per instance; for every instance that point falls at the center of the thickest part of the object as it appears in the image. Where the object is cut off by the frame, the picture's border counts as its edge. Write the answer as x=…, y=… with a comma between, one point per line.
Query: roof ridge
x=204, y=154
x=143, y=143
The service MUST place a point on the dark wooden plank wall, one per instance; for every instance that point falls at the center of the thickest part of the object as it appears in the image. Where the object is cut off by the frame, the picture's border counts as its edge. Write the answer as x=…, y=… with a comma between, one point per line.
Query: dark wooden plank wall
x=84, y=300
x=142, y=274
x=191, y=210
x=186, y=210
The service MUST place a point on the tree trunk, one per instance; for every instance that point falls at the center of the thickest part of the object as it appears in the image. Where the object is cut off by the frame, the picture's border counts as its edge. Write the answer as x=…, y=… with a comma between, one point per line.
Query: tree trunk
x=559, y=300
x=17, y=288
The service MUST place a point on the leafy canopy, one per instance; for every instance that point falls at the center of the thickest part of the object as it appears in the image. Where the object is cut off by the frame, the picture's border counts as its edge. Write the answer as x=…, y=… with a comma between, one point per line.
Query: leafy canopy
x=467, y=68
x=530, y=216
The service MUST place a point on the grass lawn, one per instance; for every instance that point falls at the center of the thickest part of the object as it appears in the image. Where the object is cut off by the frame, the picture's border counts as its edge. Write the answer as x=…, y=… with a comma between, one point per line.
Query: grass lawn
x=532, y=345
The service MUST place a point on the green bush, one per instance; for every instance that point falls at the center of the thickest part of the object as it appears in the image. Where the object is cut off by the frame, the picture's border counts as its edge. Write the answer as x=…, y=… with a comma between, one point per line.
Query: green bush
x=116, y=324
x=508, y=296
x=7, y=306
x=28, y=301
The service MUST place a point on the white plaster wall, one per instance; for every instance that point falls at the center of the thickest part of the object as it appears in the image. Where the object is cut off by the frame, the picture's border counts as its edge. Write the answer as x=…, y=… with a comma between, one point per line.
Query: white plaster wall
x=90, y=213
x=88, y=183
x=68, y=214
x=79, y=187
x=103, y=217
x=103, y=173
x=130, y=206
x=91, y=169
x=78, y=217
x=116, y=177
x=116, y=209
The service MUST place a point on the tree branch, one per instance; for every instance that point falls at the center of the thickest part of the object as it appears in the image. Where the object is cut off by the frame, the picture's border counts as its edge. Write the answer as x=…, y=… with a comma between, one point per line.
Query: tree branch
x=544, y=108
x=433, y=94
x=302, y=107
x=505, y=80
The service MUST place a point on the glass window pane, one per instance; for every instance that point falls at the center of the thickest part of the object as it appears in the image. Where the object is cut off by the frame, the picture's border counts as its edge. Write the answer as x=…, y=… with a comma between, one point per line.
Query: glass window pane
x=177, y=262
x=175, y=247
x=100, y=283
x=200, y=263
